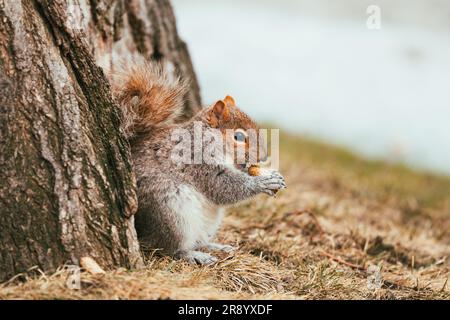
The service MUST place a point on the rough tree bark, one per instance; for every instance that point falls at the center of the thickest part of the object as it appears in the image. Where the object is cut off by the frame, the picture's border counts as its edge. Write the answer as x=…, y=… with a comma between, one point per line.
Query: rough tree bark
x=66, y=183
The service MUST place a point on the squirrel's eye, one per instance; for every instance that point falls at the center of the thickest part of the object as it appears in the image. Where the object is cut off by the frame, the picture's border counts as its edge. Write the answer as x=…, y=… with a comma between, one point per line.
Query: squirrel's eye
x=239, y=136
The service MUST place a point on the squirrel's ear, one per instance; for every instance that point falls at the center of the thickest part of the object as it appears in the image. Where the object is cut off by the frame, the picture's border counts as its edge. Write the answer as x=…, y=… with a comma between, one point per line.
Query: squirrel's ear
x=219, y=113
x=229, y=101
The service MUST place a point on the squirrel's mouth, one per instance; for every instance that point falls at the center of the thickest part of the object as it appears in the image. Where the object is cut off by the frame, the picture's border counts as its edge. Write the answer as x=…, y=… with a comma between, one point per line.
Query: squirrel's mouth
x=243, y=166
x=247, y=165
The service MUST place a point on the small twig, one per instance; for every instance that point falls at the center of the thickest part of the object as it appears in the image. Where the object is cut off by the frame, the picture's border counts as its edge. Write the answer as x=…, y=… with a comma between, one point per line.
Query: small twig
x=445, y=284
x=342, y=261
x=386, y=283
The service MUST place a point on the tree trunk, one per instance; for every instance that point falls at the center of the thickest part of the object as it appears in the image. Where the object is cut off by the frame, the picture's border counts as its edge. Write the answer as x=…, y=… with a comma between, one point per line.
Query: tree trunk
x=66, y=184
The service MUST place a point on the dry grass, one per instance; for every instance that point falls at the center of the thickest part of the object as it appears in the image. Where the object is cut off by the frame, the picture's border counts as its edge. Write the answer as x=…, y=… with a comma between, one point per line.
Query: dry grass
x=340, y=217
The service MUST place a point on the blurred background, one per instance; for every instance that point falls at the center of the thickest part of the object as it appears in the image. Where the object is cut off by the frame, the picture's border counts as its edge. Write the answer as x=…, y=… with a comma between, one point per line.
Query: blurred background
x=313, y=67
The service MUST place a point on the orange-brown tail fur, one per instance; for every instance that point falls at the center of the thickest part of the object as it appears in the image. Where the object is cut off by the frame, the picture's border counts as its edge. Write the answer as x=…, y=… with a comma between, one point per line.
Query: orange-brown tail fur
x=148, y=95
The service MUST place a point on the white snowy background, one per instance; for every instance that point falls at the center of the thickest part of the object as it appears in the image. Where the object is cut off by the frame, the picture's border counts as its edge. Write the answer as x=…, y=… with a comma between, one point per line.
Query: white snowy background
x=314, y=68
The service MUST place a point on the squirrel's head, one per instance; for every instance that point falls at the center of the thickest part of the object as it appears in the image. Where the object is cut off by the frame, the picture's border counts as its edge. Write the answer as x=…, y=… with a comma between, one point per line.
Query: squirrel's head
x=240, y=133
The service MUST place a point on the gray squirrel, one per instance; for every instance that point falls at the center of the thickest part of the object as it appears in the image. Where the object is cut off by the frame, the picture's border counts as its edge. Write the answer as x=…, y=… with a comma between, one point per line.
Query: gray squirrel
x=181, y=205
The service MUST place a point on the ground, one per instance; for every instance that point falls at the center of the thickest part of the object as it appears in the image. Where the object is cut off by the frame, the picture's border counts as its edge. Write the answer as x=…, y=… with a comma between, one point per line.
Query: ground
x=345, y=228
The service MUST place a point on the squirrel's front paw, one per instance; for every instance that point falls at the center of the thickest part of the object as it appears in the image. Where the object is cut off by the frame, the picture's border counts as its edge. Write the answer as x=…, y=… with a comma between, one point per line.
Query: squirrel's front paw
x=271, y=182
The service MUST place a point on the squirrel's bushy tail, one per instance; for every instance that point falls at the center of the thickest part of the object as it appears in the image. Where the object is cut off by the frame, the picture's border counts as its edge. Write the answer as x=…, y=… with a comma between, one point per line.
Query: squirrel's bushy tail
x=148, y=95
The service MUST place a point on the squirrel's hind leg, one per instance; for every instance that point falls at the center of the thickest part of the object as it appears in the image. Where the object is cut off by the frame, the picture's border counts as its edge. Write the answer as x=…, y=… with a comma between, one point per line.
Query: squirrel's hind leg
x=198, y=257
x=212, y=230
x=212, y=246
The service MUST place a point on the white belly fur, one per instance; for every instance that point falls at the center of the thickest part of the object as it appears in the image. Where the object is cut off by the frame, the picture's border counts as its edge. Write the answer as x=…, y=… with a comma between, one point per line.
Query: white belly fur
x=197, y=218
